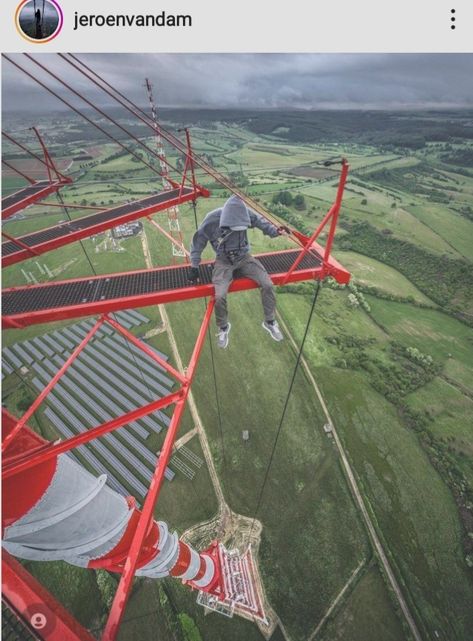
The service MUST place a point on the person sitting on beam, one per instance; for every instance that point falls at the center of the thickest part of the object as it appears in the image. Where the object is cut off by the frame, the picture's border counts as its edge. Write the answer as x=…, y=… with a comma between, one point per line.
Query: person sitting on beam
x=226, y=230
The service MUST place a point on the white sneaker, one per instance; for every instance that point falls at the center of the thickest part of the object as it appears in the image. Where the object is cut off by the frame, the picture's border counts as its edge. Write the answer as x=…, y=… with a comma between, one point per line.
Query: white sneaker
x=273, y=329
x=222, y=336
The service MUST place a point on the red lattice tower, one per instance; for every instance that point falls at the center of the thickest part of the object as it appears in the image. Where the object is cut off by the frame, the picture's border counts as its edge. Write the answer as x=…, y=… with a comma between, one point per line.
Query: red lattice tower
x=177, y=240
x=36, y=476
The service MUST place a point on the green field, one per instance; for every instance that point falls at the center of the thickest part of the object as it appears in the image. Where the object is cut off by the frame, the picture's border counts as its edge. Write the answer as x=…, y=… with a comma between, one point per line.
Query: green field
x=406, y=427
x=368, y=271
x=365, y=615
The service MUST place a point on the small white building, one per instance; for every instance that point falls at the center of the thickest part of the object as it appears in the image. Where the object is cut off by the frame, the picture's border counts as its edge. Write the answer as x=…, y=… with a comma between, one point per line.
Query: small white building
x=328, y=428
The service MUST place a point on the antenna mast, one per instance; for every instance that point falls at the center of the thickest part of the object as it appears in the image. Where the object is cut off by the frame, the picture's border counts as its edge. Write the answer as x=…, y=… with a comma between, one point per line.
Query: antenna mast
x=173, y=212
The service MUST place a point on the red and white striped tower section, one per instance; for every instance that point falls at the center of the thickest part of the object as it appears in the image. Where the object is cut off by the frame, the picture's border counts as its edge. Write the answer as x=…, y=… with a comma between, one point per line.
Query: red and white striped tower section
x=173, y=212
x=57, y=510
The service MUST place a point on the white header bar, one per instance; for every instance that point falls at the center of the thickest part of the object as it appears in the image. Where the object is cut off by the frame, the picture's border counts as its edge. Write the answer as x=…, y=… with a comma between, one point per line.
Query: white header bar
x=251, y=26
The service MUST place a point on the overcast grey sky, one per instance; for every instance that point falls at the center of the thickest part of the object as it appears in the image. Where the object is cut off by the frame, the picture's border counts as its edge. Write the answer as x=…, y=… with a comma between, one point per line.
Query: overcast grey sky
x=306, y=81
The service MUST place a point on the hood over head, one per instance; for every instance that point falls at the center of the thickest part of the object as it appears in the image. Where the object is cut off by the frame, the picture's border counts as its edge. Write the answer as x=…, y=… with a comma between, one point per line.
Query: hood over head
x=235, y=214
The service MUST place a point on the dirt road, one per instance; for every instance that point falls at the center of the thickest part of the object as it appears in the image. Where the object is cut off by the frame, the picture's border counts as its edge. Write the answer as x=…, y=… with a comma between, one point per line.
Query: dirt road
x=359, y=498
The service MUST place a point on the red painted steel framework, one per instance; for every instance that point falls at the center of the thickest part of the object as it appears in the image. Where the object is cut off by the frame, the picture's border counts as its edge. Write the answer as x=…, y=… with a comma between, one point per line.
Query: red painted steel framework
x=83, y=229
x=20, y=589
x=24, y=594
x=26, y=196
x=45, y=452
x=179, y=192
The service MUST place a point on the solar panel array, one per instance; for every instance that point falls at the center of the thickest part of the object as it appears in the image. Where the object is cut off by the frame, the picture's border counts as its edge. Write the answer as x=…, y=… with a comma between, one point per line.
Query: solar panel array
x=110, y=377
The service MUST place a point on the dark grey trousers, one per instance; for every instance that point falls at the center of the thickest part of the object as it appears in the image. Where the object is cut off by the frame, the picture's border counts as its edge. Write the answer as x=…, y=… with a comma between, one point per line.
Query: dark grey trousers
x=248, y=267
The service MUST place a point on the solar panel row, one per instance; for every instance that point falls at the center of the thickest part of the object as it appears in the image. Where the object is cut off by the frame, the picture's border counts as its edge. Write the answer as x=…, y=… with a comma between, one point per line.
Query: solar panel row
x=56, y=346
x=122, y=432
x=125, y=316
x=11, y=357
x=136, y=374
x=121, y=406
x=124, y=385
x=85, y=453
x=191, y=456
x=28, y=345
x=183, y=467
x=131, y=367
x=139, y=317
x=59, y=336
x=146, y=363
x=6, y=369
x=25, y=358
x=80, y=384
x=123, y=321
x=80, y=393
x=112, y=461
x=42, y=347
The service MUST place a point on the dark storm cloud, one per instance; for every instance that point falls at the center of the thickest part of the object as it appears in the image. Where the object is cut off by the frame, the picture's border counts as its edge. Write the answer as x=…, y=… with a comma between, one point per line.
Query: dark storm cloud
x=303, y=81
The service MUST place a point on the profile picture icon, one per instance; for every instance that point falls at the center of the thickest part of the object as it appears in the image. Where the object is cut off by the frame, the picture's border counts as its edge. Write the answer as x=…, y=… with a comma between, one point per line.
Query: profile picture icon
x=39, y=21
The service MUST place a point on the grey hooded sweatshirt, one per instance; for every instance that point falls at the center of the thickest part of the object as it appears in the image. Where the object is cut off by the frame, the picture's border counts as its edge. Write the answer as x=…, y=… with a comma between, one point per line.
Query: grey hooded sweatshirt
x=225, y=229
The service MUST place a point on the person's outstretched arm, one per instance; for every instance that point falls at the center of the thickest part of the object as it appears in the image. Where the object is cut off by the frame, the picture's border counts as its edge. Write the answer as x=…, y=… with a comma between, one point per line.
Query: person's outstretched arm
x=261, y=223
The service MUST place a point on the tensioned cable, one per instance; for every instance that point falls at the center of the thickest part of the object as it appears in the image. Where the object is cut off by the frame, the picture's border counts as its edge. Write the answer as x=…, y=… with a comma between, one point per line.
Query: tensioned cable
x=217, y=398
x=286, y=403
x=23, y=147
x=28, y=151
x=77, y=111
x=173, y=140
x=132, y=354
x=98, y=109
x=20, y=173
x=167, y=135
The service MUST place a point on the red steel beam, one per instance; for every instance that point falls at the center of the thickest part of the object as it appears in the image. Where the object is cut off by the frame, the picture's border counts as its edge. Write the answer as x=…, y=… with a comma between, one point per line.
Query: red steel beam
x=123, y=591
x=36, y=457
x=333, y=268
x=77, y=111
x=37, y=402
x=92, y=104
x=336, y=212
x=173, y=140
x=136, y=341
x=20, y=243
x=168, y=236
x=33, y=198
x=48, y=160
x=331, y=215
x=78, y=234
x=27, y=597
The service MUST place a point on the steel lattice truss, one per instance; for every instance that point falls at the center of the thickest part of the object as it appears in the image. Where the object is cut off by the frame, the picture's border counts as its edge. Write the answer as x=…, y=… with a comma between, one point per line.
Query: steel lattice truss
x=22, y=306
x=37, y=190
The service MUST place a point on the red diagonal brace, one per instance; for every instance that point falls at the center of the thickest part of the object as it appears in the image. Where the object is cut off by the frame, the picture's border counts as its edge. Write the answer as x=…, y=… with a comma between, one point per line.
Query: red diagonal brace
x=123, y=590
x=34, y=406
x=336, y=210
x=22, y=592
x=84, y=437
x=332, y=215
x=21, y=244
x=136, y=341
x=168, y=236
